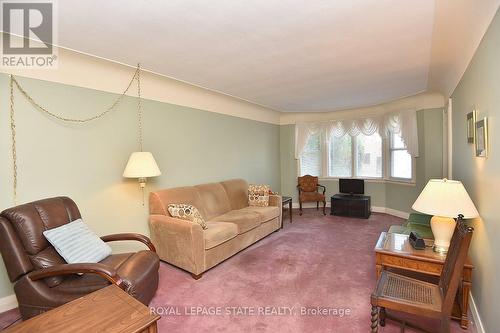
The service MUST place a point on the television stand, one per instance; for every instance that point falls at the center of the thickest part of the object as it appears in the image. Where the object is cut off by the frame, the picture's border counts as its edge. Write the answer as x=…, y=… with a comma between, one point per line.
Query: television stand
x=351, y=205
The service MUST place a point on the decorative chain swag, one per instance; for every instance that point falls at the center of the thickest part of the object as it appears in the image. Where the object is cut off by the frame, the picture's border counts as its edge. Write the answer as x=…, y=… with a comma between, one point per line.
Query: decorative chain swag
x=13, y=82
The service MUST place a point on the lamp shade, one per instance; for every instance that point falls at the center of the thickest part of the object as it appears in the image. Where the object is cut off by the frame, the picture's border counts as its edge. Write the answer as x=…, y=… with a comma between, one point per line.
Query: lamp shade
x=443, y=197
x=141, y=165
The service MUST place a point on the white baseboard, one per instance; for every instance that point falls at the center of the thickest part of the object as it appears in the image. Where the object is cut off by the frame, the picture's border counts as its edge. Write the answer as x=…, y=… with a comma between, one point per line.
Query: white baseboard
x=398, y=213
x=8, y=303
x=375, y=209
x=476, y=319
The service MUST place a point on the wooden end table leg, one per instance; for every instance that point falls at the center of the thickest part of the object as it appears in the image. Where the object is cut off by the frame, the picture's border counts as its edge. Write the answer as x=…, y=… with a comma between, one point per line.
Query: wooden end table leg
x=378, y=270
x=466, y=285
x=290, y=208
x=378, y=265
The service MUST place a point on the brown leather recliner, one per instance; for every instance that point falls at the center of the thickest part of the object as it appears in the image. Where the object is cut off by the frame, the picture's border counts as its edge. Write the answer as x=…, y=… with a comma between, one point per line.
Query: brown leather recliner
x=43, y=280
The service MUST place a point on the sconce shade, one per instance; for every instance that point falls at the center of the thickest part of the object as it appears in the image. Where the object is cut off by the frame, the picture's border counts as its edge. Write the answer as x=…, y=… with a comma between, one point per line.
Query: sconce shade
x=141, y=165
x=447, y=198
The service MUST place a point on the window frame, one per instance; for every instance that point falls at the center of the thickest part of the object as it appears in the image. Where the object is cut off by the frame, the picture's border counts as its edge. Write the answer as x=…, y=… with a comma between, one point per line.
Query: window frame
x=321, y=157
x=386, y=163
x=354, y=161
x=390, y=149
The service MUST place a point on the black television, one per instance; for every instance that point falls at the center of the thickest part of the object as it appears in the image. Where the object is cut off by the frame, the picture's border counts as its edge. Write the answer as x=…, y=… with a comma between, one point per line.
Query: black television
x=352, y=186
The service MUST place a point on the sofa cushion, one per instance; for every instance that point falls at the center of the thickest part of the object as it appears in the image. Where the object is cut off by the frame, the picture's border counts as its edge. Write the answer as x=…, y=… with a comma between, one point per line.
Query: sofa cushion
x=218, y=233
x=244, y=219
x=214, y=198
x=266, y=213
x=237, y=191
x=88, y=282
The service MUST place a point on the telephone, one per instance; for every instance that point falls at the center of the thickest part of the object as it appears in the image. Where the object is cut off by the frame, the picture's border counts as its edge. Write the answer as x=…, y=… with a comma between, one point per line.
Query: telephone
x=416, y=241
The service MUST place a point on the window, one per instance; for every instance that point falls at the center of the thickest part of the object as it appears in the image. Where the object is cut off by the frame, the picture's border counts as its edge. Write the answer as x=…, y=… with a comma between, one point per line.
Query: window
x=401, y=161
x=310, y=161
x=361, y=156
x=358, y=157
x=340, y=154
x=369, y=156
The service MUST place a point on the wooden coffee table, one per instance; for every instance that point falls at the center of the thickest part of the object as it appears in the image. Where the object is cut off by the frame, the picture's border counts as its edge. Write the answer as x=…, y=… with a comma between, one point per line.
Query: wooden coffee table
x=395, y=251
x=107, y=310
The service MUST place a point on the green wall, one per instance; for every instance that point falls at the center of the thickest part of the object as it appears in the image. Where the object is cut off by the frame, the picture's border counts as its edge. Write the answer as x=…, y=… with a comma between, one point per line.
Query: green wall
x=480, y=87
x=428, y=165
x=383, y=194
x=85, y=162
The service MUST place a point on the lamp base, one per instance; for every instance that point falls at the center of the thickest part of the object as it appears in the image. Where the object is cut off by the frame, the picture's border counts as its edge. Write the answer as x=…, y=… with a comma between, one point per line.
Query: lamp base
x=440, y=249
x=442, y=228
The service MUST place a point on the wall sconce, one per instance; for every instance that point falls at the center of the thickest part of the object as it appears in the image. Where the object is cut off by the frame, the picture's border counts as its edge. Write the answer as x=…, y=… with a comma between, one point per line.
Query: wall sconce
x=141, y=165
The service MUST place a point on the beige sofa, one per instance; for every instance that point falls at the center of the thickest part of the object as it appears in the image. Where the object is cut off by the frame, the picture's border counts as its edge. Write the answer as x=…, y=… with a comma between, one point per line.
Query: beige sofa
x=232, y=224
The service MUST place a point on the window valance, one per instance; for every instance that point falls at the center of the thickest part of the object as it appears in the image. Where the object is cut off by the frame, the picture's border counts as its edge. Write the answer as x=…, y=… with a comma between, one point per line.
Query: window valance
x=401, y=122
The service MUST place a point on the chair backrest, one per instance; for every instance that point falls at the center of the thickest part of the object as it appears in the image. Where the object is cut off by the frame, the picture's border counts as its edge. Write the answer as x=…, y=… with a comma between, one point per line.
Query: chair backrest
x=454, y=264
x=308, y=183
x=23, y=246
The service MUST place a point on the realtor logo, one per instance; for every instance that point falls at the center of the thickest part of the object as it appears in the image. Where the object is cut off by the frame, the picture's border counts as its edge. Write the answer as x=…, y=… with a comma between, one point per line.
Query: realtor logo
x=28, y=34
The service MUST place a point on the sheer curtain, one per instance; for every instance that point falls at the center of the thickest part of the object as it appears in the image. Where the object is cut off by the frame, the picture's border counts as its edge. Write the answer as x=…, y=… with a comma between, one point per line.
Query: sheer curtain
x=401, y=122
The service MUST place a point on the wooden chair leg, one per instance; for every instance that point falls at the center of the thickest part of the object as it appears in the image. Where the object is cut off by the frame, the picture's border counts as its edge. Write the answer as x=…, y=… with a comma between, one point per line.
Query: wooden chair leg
x=374, y=325
x=317, y=205
x=382, y=315
x=300, y=208
x=324, y=207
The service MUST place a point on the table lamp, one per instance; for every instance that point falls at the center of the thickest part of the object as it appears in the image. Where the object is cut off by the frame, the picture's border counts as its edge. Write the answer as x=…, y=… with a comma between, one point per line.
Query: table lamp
x=445, y=200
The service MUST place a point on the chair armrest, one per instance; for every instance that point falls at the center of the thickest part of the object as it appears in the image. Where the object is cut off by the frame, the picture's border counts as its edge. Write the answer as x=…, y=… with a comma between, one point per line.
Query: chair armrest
x=323, y=187
x=299, y=188
x=130, y=236
x=66, y=269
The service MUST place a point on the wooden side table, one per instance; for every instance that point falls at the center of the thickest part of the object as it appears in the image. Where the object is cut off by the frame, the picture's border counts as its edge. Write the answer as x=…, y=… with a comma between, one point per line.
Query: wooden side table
x=394, y=250
x=107, y=310
x=286, y=201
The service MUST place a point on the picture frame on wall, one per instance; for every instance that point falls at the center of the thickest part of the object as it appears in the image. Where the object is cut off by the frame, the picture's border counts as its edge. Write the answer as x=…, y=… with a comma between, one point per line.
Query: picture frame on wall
x=482, y=138
x=471, y=126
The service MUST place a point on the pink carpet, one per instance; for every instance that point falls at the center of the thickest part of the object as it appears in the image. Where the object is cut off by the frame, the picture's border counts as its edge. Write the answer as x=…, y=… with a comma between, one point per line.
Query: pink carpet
x=318, y=261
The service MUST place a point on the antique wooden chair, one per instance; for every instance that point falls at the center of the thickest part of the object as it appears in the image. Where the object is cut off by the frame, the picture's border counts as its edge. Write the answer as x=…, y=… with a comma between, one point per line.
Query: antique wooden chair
x=404, y=294
x=308, y=192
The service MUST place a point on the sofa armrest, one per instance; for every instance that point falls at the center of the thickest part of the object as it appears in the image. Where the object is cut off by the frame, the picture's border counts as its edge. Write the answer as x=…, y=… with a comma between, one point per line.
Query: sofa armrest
x=178, y=242
x=275, y=200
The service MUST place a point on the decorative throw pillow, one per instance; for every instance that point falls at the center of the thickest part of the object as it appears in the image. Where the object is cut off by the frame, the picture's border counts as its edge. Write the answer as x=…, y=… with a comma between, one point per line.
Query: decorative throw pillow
x=188, y=213
x=258, y=195
x=76, y=243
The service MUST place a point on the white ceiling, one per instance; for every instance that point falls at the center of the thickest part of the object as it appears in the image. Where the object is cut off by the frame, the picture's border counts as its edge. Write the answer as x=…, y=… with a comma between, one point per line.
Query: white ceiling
x=288, y=55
